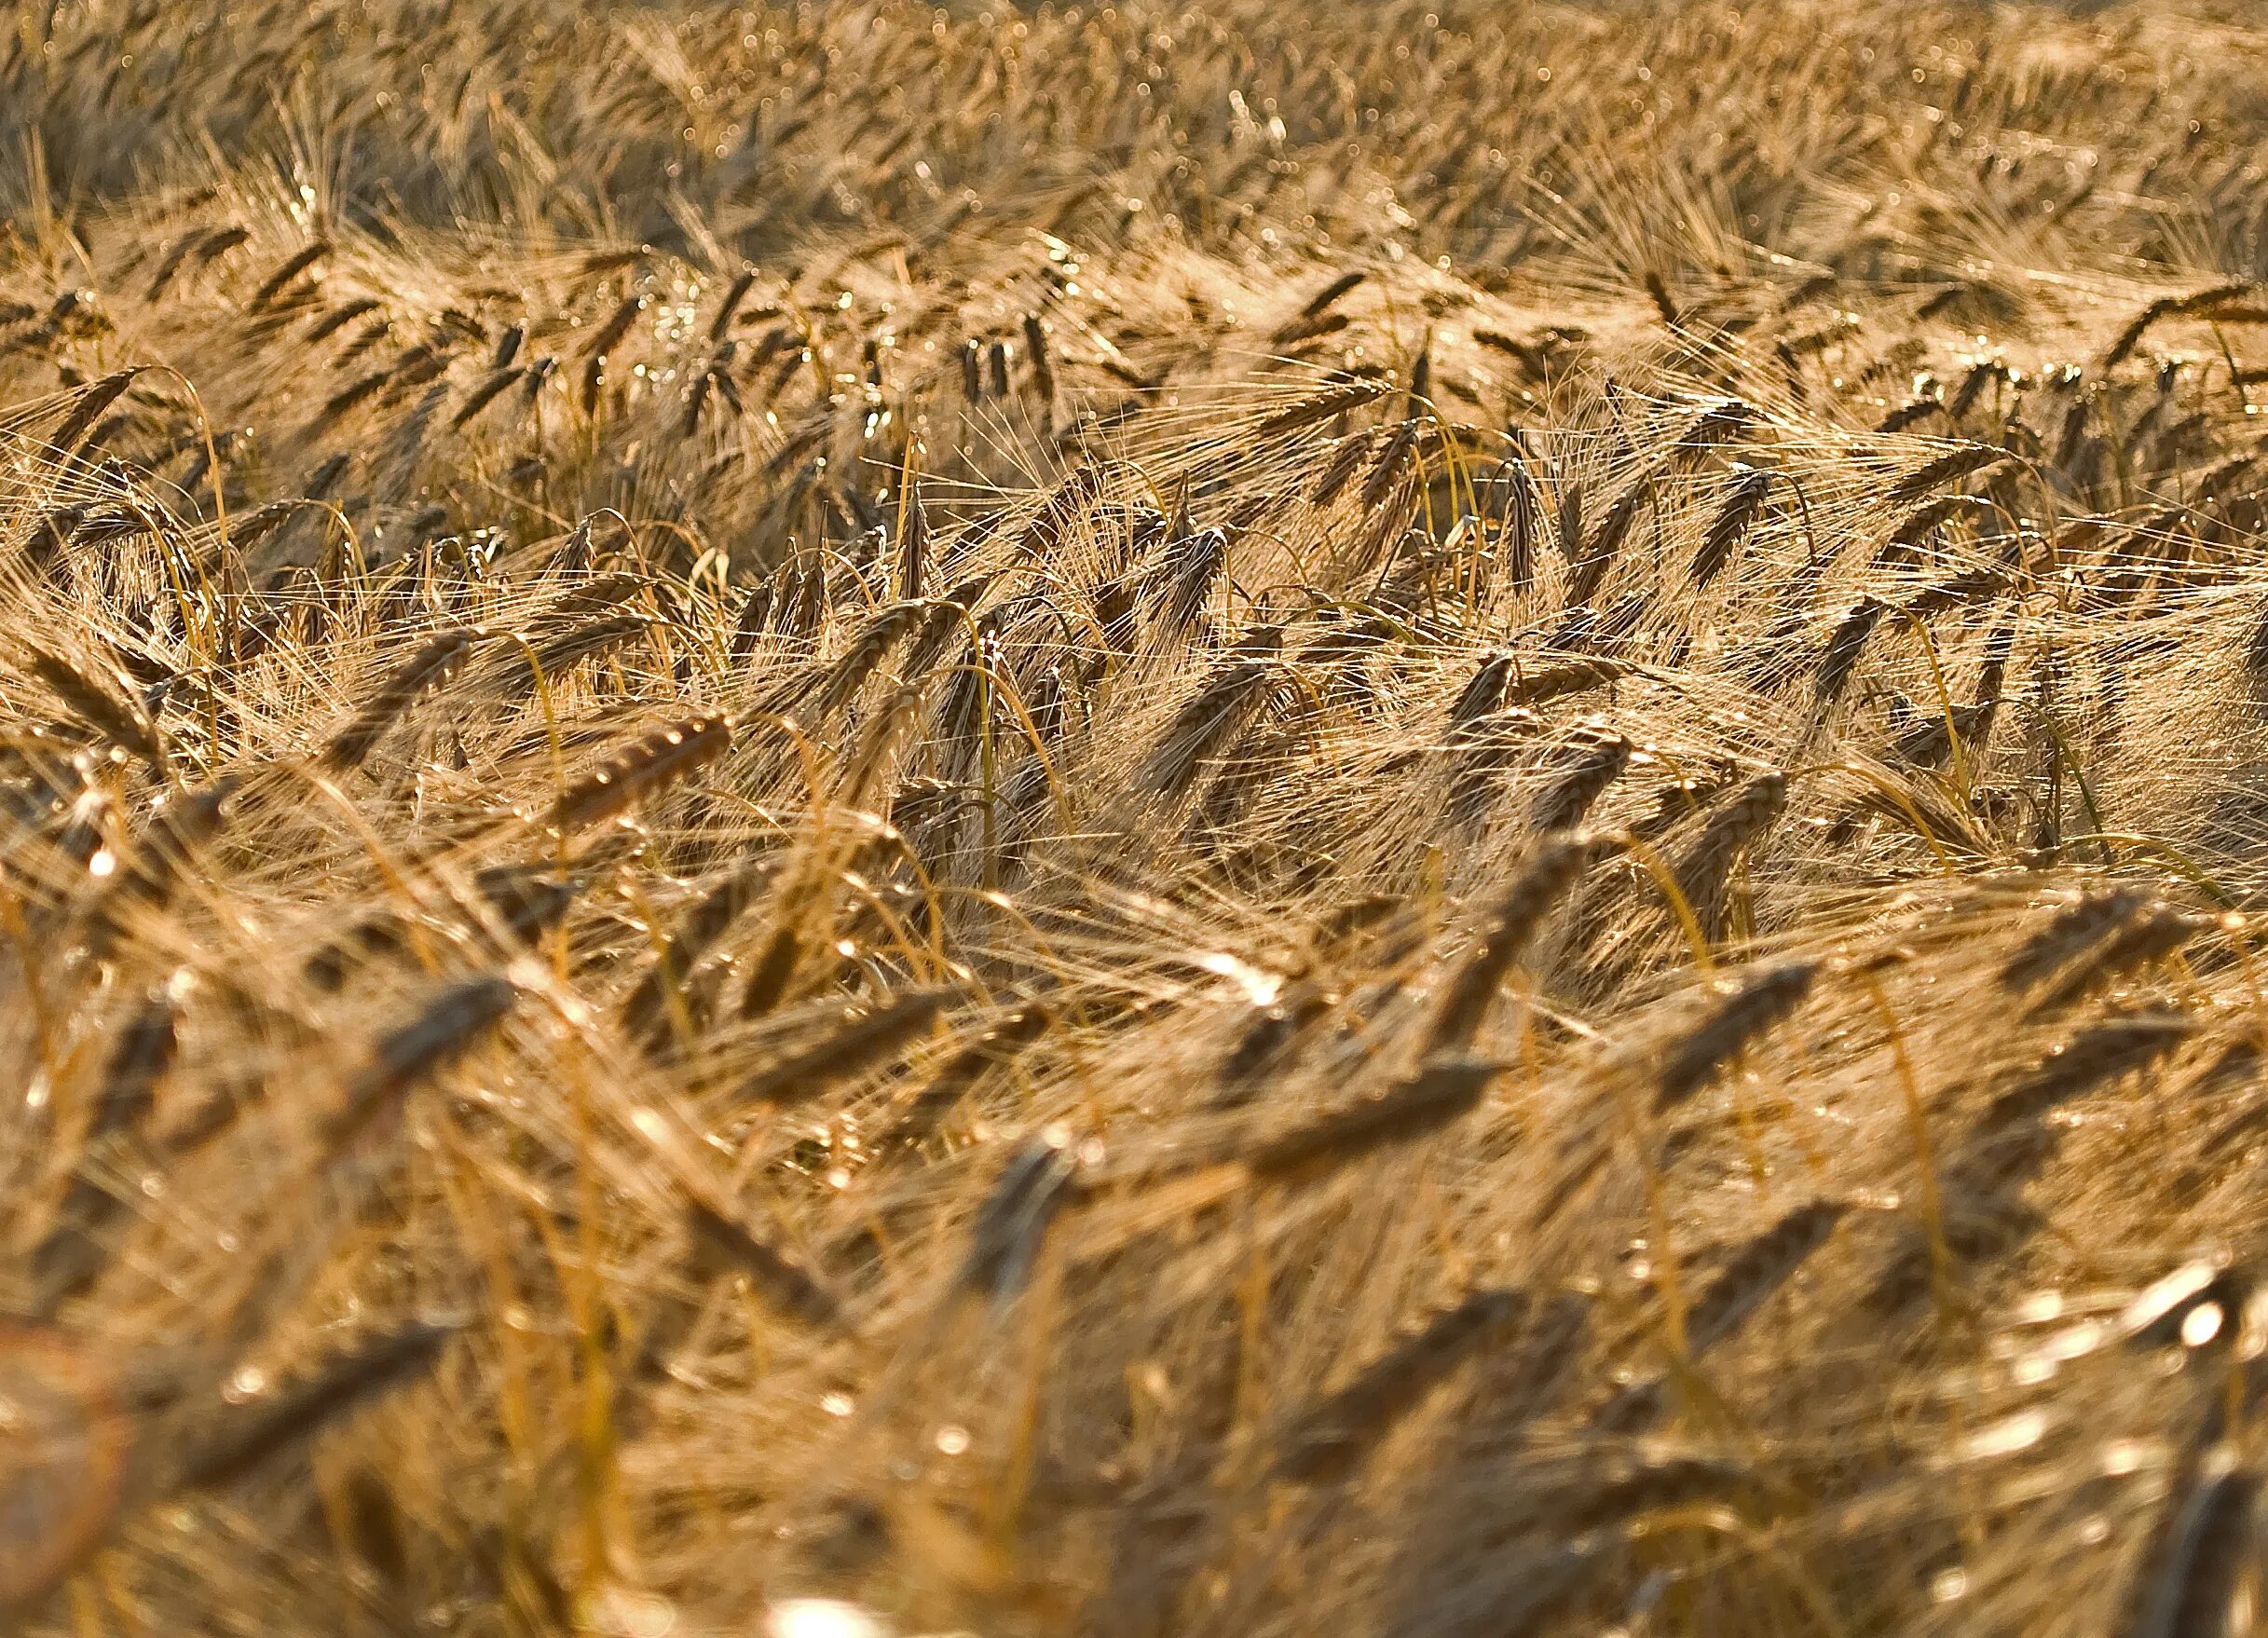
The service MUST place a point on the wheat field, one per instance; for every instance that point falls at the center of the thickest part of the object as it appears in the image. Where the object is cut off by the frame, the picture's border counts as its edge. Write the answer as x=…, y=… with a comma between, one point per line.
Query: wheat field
x=1420, y=818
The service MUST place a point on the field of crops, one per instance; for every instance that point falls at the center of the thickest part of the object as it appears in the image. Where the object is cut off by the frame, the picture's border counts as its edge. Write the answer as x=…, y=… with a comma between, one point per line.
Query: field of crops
x=1420, y=819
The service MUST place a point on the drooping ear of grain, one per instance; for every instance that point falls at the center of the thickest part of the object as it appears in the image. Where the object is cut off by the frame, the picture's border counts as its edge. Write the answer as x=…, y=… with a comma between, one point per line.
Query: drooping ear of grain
x=1606, y=544
x=1227, y=703
x=1273, y=1033
x=1555, y=682
x=920, y=1113
x=2192, y=1587
x=1747, y=1010
x=260, y=1430
x=450, y=1024
x=784, y=1281
x=2151, y=937
x=1546, y=877
x=1758, y=1269
x=1039, y=1179
x=2095, y=1056
x=291, y=268
x=72, y=1253
x=437, y=660
x=72, y=429
x=1326, y=406
x=1190, y=569
x=727, y=307
x=1436, y=1096
x=1730, y=831
x=1393, y=460
x=1623, y=1484
x=99, y=705
x=1845, y=646
x=1327, y=1439
x=863, y=1042
x=1730, y=526
x=644, y=1010
x=657, y=762
x=172, y=844
x=1042, y=363
x=1594, y=759
x=1949, y=467
x=2070, y=932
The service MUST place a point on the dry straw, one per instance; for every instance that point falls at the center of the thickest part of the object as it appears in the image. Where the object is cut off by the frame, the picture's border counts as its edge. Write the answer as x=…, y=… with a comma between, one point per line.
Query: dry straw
x=642, y=637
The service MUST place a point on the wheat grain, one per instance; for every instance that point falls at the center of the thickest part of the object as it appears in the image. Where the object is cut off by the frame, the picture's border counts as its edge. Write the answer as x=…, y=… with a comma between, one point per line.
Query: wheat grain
x=1747, y=1010
x=262, y=1430
x=781, y=1279
x=947, y=609
x=921, y=1112
x=436, y=661
x=863, y=1042
x=1545, y=877
x=2191, y=1588
x=655, y=762
x=1329, y=1438
x=1436, y=1096
x=448, y=1025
